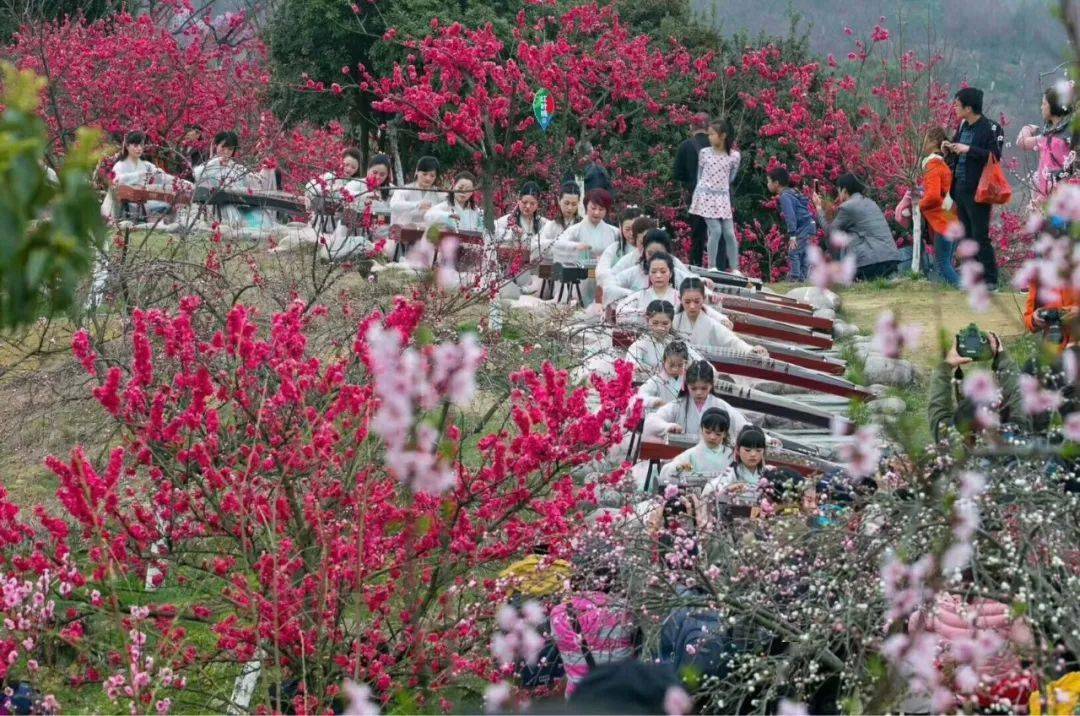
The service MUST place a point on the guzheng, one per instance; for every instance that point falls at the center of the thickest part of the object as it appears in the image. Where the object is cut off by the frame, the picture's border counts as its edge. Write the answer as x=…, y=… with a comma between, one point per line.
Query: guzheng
x=804, y=358
x=263, y=199
x=727, y=278
x=141, y=195
x=656, y=452
x=777, y=312
x=767, y=328
x=757, y=401
x=765, y=296
x=753, y=366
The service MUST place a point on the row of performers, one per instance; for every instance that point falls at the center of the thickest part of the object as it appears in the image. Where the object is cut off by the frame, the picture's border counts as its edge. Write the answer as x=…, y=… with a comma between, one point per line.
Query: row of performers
x=580, y=232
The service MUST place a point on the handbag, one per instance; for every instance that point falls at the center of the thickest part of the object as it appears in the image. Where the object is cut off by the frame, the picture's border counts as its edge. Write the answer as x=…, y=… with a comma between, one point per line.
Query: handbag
x=993, y=186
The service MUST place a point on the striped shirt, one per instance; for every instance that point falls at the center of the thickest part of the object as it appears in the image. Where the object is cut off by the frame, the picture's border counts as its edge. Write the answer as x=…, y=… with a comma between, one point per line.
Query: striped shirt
x=607, y=628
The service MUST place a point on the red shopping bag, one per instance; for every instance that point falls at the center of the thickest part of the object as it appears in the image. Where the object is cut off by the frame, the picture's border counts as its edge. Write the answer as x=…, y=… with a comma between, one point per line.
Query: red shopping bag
x=993, y=186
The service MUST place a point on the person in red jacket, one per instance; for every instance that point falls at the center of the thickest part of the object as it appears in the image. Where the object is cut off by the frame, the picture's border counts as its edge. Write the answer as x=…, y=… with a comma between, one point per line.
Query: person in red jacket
x=936, y=205
x=1052, y=313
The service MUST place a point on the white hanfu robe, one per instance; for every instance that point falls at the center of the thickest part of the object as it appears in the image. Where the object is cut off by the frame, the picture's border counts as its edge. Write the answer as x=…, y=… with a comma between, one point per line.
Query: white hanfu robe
x=142, y=174
x=686, y=414
x=709, y=334
x=660, y=390
x=700, y=459
x=596, y=238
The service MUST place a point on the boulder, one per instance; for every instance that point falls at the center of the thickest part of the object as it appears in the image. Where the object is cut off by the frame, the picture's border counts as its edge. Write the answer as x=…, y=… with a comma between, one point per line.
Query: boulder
x=887, y=406
x=890, y=371
x=773, y=388
x=825, y=313
x=816, y=297
x=511, y=291
x=843, y=330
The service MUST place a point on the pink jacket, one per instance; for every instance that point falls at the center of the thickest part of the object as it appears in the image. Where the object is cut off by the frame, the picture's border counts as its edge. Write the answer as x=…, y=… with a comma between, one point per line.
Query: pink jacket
x=1053, y=151
x=952, y=619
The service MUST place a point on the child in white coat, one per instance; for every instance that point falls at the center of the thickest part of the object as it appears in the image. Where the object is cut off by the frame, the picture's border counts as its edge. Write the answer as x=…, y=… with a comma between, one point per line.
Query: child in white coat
x=647, y=352
x=711, y=456
x=748, y=466
x=667, y=384
x=683, y=416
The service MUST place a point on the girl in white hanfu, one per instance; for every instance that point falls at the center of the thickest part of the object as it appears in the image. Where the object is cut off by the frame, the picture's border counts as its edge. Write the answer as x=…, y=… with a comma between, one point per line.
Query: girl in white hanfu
x=711, y=456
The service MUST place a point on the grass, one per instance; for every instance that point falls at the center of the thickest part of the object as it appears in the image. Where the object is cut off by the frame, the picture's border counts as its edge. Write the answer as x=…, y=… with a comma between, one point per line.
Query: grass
x=938, y=310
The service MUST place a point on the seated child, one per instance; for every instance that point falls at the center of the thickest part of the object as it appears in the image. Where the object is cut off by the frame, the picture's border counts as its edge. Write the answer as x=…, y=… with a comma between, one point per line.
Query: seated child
x=711, y=456
x=666, y=385
x=647, y=352
x=746, y=469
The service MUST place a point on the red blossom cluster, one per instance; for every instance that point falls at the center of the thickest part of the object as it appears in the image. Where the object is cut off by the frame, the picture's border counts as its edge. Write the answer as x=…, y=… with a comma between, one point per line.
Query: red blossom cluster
x=252, y=474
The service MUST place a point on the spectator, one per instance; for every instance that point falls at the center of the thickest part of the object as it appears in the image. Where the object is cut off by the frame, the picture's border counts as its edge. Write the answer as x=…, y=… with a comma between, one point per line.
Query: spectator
x=594, y=625
x=1051, y=312
x=718, y=165
x=631, y=687
x=799, y=221
x=1052, y=142
x=948, y=407
x=870, y=239
x=936, y=205
x=975, y=140
x=685, y=173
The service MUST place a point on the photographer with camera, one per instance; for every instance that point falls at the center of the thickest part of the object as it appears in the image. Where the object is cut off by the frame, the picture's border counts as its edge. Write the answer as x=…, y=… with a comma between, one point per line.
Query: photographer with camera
x=950, y=407
x=1052, y=313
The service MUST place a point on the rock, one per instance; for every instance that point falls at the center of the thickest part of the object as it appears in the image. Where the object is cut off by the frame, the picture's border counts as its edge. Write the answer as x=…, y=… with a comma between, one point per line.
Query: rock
x=775, y=423
x=890, y=371
x=888, y=406
x=511, y=291
x=778, y=388
x=842, y=330
x=816, y=297
x=877, y=389
x=825, y=313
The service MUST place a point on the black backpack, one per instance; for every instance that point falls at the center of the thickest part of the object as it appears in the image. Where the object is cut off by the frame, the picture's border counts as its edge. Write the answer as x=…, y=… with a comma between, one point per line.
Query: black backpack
x=548, y=670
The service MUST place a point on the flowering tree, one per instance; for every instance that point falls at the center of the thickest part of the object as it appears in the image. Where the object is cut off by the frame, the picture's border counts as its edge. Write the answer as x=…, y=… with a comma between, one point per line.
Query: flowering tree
x=322, y=514
x=465, y=88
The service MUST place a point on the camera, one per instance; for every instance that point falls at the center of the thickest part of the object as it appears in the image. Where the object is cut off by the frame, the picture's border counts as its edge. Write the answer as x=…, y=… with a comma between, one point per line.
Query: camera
x=1055, y=329
x=974, y=344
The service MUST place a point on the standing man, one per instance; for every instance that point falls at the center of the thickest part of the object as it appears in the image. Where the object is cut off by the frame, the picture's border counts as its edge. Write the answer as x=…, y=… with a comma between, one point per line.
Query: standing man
x=968, y=152
x=686, y=173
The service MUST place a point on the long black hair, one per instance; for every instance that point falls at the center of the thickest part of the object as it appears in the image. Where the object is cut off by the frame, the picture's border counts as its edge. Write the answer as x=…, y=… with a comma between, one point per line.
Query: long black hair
x=659, y=306
x=723, y=126
x=690, y=283
x=451, y=196
x=675, y=349
x=656, y=236
x=628, y=214
x=386, y=161
x=700, y=371
x=752, y=437
x=666, y=258
x=567, y=187
x=529, y=188
x=137, y=138
x=716, y=419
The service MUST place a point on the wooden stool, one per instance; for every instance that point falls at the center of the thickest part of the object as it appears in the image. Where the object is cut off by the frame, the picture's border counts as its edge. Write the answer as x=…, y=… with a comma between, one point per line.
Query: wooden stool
x=569, y=278
x=547, y=284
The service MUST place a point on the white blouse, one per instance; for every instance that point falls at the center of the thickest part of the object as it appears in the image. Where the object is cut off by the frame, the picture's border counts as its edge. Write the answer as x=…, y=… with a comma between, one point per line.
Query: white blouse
x=685, y=413
x=329, y=184
x=699, y=459
x=632, y=308
x=457, y=217
x=647, y=354
x=709, y=334
x=659, y=390
x=405, y=205
x=596, y=236
x=735, y=473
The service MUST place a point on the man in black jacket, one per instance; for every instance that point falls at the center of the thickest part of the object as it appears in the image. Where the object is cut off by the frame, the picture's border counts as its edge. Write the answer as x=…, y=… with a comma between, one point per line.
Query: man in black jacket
x=975, y=140
x=685, y=172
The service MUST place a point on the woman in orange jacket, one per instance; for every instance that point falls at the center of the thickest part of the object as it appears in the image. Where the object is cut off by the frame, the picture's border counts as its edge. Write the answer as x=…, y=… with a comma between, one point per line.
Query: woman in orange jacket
x=936, y=205
x=1040, y=301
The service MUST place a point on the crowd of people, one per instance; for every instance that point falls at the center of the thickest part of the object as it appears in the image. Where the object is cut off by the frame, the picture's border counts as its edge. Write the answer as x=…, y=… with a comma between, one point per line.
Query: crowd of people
x=631, y=272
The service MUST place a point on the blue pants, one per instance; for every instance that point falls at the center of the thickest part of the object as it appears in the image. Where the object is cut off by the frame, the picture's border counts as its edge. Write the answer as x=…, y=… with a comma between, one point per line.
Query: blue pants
x=798, y=269
x=944, y=250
